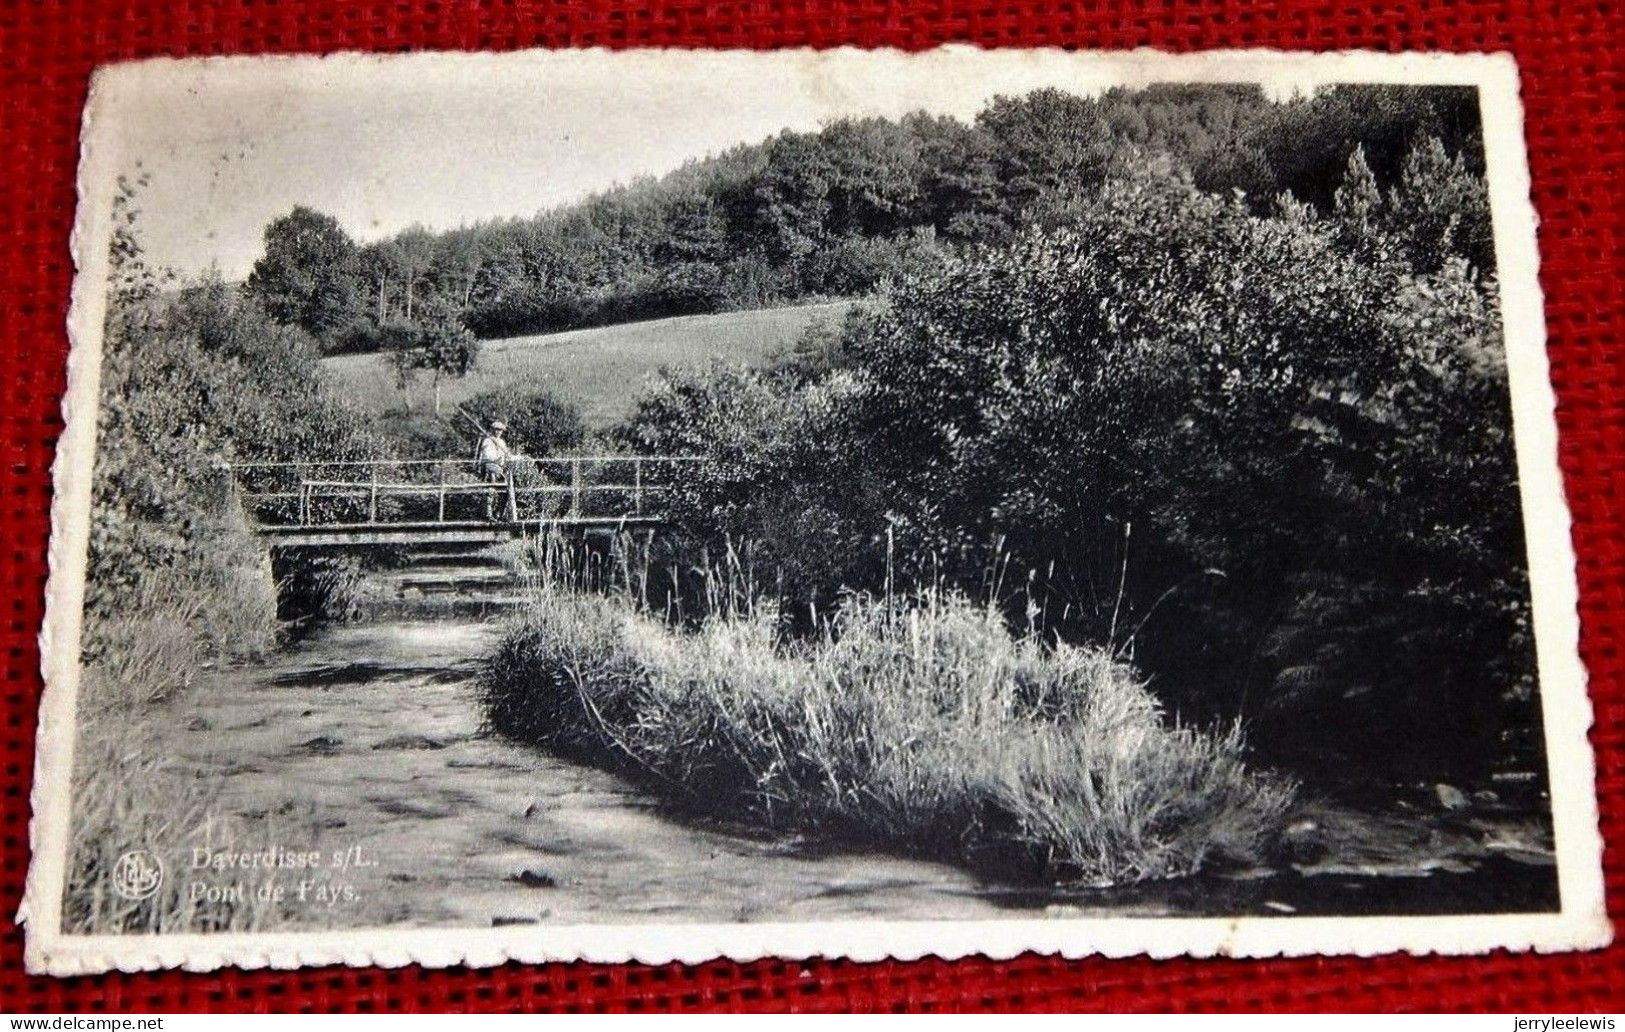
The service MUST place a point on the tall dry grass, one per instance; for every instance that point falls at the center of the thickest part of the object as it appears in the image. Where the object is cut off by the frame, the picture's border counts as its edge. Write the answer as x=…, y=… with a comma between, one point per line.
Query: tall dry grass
x=129, y=793
x=920, y=724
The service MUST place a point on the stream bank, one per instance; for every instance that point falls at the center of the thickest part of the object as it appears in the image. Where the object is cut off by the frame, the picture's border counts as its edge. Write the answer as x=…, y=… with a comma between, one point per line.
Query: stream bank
x=365, y=742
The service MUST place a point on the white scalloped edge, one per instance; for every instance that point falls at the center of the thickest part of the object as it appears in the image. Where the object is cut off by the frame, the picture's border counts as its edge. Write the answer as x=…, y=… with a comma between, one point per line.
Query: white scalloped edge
x=1582, y=922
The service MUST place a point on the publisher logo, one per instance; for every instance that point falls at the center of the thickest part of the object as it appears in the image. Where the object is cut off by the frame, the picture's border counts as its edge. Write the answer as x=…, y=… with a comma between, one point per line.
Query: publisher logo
x=137, y=874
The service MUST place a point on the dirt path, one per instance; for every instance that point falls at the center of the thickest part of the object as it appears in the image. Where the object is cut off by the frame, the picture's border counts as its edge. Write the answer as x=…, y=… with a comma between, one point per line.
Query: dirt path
x=365, y=744
x=371, y=736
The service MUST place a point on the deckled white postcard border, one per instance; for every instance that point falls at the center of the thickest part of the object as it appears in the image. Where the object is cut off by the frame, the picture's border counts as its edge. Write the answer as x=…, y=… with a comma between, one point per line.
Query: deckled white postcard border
x=1581, y=923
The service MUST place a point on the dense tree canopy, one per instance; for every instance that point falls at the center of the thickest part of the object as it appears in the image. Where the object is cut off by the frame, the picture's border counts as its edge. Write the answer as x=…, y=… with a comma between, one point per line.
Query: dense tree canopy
x=839, y=210
x=1267, y=452
x=307, y=276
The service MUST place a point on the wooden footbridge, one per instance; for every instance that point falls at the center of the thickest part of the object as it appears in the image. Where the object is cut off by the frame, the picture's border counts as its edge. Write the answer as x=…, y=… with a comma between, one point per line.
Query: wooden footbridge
x=448, y=501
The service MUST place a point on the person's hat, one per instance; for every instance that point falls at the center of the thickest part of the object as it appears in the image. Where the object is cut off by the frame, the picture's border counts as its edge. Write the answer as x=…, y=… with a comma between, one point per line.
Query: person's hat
x=497, y=424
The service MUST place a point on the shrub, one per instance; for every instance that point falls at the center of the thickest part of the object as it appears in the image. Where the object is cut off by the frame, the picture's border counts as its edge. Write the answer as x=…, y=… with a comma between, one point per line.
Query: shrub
x=925, y=726
x=1259, y=402
x=388, y=338
x=1176, y=420
x=320, y=586
x=190, y=381
x=540, y=423
x=784, y=474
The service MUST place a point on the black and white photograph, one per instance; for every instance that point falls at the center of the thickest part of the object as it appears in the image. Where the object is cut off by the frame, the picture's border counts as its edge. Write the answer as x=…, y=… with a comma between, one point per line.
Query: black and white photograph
x=663, y=505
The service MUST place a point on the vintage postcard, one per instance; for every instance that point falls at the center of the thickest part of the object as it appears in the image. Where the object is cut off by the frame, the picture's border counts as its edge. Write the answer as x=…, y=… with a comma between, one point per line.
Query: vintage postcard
x=664, y=505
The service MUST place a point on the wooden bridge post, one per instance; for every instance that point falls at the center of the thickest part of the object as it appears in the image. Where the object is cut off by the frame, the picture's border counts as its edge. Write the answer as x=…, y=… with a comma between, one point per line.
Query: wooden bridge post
x=637, y=487
x=440, y=516
x=372, y=502
x=575, y=486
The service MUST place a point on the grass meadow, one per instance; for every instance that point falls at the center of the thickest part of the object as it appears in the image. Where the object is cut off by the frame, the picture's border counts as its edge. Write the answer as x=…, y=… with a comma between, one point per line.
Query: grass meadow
x=599, y=369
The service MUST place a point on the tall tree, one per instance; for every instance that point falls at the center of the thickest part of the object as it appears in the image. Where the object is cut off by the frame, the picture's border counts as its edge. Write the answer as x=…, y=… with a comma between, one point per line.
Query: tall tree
x=458, y=259
x=308, y=274
x=1357, y=206
x=961, y=193
x=1440, y=210
x=378, y=266
x=1052, y=148
x=442, y=346
x=415, y=252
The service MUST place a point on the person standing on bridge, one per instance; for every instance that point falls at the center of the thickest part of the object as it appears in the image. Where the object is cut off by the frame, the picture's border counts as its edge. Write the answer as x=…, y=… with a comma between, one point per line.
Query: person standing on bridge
x=494, y=458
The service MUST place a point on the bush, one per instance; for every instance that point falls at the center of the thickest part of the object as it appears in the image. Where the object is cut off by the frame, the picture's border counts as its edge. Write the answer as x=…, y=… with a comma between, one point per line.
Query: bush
x=1168, y=427
x=389, y=338
x=1252, y=399
x=170, y=622
x=924, y=726
x=188, y=383
x=540, y=423
x=175, y=582
x=321, y=586
x=783, y=473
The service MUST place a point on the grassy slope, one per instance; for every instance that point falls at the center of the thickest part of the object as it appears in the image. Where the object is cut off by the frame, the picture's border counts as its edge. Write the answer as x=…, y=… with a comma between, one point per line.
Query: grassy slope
x=602, y=368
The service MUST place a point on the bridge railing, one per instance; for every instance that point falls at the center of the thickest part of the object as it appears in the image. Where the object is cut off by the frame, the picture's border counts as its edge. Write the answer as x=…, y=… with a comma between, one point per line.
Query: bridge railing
x=429, y=491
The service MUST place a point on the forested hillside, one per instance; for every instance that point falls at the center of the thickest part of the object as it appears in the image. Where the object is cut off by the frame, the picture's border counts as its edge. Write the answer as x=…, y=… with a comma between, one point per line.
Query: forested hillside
x=833, y=213
x=1266, y=455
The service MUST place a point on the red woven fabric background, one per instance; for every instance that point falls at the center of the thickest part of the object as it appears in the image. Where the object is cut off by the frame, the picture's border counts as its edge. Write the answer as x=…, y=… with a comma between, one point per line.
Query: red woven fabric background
x=1576, y=133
